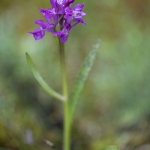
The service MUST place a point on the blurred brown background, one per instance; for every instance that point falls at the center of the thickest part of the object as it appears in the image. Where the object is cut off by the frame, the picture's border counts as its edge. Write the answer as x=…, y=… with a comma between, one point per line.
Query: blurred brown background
x=114, y=106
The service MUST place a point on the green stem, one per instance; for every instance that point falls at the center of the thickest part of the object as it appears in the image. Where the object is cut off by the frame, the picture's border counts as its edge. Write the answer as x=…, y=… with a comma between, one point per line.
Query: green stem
x=66, y=134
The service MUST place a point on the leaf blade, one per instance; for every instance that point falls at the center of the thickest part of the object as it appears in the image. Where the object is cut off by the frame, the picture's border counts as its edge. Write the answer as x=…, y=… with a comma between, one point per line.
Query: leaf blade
x=40, y=80
x=82, y=76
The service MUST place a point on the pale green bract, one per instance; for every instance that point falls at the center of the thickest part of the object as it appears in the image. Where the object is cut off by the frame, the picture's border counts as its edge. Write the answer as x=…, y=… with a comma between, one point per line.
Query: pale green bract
x=40, y=80
x=82, y=76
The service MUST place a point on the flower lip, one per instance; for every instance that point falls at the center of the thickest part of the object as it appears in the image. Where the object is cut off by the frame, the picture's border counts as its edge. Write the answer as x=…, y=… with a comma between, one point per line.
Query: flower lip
x=38, y=33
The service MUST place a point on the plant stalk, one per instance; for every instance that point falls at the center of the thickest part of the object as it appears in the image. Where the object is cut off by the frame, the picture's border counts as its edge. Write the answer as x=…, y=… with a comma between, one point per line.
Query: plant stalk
x=66, y=130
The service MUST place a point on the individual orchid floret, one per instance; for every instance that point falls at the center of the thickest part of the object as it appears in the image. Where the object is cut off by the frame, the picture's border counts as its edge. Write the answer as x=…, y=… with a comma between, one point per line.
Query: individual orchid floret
x=63, y=34
x=38, y=33
x=61, y=15
x=74, y=13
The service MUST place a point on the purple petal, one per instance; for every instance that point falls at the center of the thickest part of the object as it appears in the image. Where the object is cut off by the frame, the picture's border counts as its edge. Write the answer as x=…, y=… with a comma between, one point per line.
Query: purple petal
x=77, y=14
x=64, y=33
x=37, y=33
x=68, y=11
x=53, y=2
x=50, y=28
x=81, y=20
x=69, y=2
x=78, y=7
x=48, y=12
x=74, y=13
x=47, y=26
x=58, y=33
x=61, y=2
x=41, y=23
x=63, y=38
x=54, y=5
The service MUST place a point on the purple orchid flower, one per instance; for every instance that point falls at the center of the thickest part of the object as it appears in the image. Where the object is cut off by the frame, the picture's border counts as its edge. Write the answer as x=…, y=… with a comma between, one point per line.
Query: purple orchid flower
x=63, y=34
x=75, y=14
x=61, y=14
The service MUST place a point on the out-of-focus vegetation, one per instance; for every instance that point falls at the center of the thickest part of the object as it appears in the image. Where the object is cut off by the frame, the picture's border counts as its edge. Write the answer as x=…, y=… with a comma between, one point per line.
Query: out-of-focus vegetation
x=114, y=106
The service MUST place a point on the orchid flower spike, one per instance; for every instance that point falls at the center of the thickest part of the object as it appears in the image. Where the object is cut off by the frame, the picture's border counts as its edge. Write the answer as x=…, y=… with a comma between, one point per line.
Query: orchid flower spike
x=61, y=14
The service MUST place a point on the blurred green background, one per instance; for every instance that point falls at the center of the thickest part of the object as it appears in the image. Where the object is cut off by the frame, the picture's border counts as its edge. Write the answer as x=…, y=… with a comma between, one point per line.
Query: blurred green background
x=114, y=108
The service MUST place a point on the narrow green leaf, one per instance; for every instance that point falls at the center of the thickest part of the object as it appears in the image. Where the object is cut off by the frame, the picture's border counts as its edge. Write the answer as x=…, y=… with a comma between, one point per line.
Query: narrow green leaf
x=82, y=76
x=41, y=81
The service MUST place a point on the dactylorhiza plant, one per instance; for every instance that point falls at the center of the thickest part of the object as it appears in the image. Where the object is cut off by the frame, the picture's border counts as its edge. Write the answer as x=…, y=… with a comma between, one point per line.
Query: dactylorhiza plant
x=60, y=19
